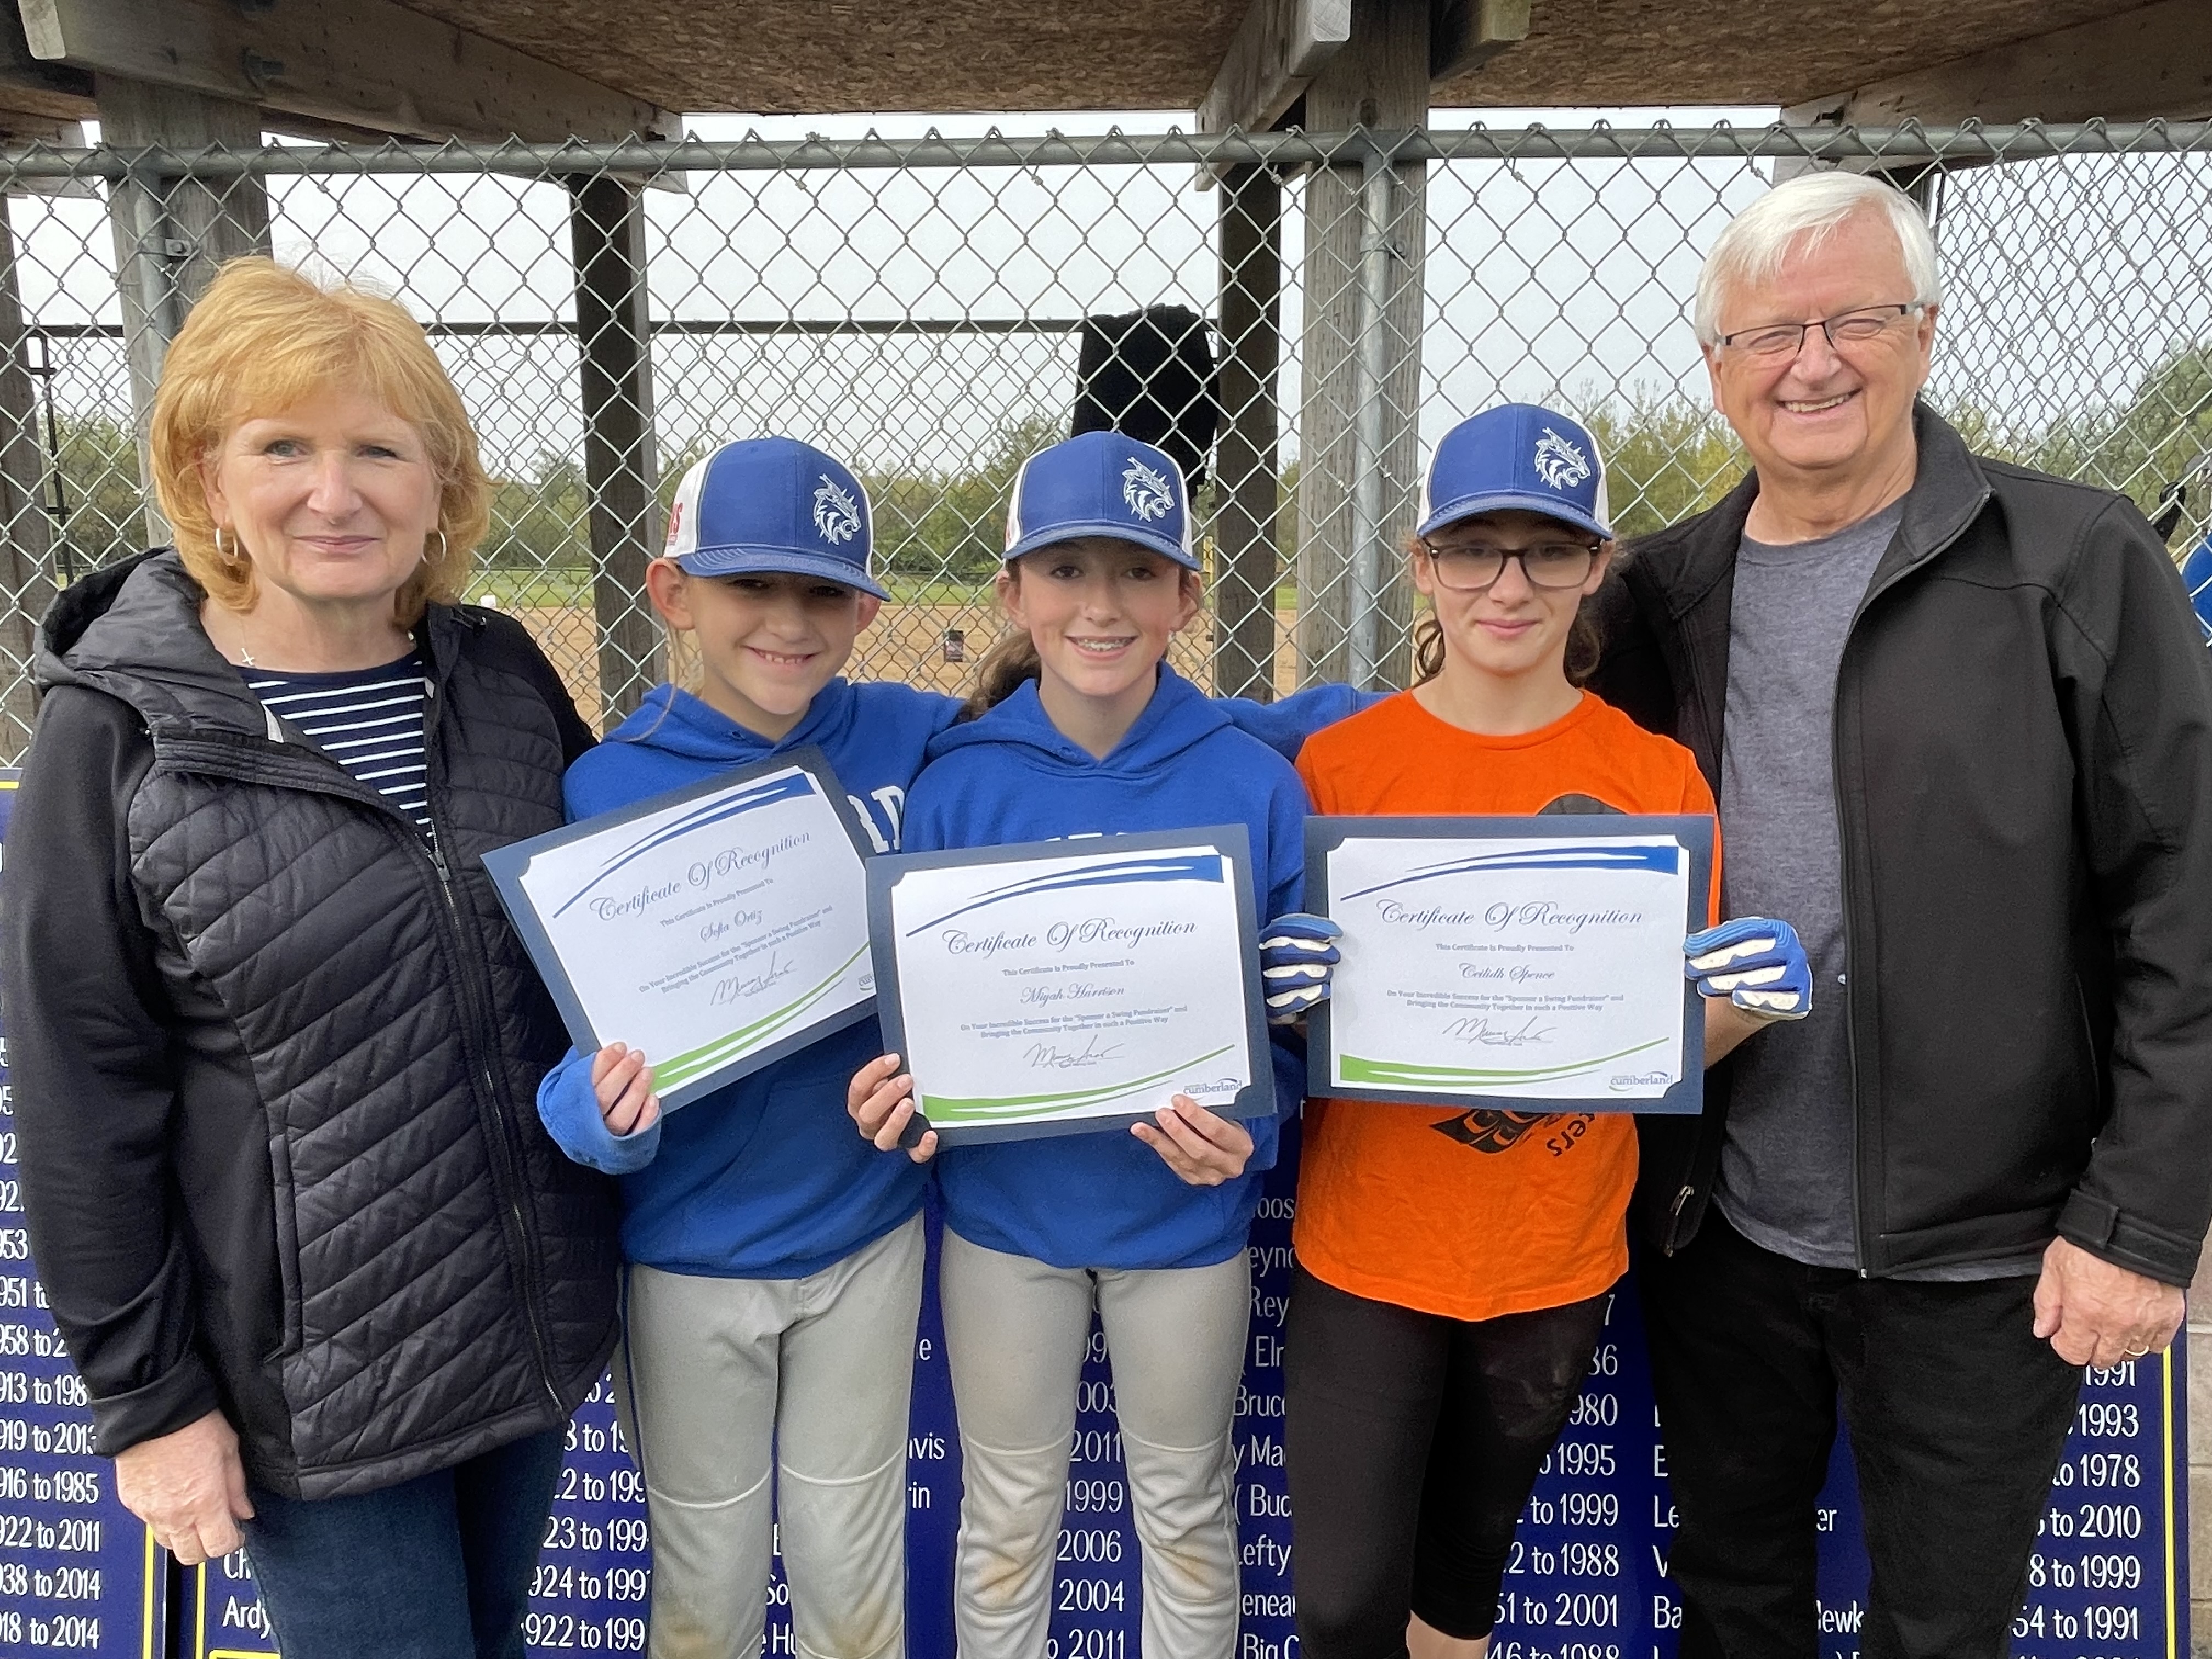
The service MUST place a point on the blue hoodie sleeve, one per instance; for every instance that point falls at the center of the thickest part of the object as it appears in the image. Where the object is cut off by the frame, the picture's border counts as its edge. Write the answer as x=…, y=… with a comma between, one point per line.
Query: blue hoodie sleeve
x=1284, y=725
x=570, y=1111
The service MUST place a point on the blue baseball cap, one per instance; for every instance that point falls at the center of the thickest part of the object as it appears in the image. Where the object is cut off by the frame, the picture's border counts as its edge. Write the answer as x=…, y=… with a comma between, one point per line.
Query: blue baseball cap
x=1516, y=455
x=1100, y=483
x=773, y=505
x=2197, y=577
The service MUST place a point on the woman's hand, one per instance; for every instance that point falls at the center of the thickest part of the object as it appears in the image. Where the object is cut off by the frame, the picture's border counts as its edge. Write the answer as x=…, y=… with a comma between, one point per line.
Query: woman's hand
x=623, y=1084
x=880, y=1099
x=189, y=1487
x=1203, y=1147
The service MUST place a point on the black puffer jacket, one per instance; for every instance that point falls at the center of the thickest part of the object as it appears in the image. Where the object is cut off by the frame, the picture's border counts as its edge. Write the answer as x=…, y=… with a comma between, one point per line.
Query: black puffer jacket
x=274, y=1058
x=2023, y=783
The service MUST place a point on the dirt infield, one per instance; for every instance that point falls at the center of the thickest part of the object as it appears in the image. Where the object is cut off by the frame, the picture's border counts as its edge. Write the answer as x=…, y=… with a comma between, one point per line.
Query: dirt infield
x=908, y=643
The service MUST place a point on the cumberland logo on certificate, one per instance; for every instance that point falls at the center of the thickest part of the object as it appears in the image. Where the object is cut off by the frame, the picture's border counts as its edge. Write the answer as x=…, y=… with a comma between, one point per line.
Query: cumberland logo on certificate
x=1531, y=962
x=718, y=928
x=1059, y=986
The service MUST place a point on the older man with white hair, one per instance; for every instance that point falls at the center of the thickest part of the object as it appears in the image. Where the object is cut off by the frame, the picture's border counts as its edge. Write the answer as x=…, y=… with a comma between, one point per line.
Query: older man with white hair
x=1960, y=729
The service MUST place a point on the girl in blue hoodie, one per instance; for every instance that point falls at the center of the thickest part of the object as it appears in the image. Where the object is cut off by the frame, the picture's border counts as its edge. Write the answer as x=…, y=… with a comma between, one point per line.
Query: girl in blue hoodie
x=1087, y=731
x=775, y=1261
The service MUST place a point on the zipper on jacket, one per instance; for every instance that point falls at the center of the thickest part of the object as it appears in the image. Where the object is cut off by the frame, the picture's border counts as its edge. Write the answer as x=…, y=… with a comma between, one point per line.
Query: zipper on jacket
x=1674, y=1217
x=499, y=1143
x=1859, y=1231
x=313, y=771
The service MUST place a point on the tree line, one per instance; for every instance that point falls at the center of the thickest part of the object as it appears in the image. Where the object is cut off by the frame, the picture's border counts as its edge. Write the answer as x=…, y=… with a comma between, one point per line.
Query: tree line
x=1666, y=459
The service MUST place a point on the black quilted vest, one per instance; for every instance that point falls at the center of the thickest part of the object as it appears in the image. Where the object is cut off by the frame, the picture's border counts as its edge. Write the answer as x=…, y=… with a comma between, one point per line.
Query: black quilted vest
x=430, y=1277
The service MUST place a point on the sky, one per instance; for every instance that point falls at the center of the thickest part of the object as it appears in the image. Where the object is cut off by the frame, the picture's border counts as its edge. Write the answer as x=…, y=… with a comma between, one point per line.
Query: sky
x=1543, y=280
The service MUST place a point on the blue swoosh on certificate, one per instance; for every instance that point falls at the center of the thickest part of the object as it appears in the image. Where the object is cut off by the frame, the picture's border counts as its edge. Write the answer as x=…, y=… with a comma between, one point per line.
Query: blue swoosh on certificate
x=1664, y=857
x=769, y=793
x=1197, y=867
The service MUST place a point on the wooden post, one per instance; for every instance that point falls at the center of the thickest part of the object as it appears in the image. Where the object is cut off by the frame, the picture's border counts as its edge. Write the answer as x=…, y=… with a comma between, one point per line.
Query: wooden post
x=1244, y=489
x=607, y=224
x=25, y=533
x=172, y=234
x=1379, y=80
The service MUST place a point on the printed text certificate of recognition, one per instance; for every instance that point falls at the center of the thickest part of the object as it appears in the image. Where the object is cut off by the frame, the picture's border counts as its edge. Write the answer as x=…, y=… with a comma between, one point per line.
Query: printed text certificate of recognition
x=1533, y=962
x=1053, y=987
x=717, y=928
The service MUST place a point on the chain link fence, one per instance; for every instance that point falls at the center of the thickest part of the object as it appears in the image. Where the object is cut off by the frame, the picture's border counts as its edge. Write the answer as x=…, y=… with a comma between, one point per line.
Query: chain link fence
x=933, y=310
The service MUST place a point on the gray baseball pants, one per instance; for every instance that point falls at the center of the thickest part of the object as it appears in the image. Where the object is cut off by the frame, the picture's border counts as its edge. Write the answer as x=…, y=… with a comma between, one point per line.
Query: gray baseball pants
x=1015, y=1332
x=723, y=1383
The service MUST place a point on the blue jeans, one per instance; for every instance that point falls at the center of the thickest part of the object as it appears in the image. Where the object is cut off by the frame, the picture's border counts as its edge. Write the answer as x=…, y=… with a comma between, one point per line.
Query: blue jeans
x=435, y=1568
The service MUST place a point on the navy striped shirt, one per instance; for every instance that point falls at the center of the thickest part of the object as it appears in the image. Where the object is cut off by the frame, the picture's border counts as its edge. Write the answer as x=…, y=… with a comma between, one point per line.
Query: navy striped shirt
x=369, y=720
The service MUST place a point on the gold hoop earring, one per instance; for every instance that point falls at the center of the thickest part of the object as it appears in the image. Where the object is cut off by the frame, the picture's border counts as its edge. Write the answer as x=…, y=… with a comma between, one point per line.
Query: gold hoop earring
x=236, y=555
x=442, y=546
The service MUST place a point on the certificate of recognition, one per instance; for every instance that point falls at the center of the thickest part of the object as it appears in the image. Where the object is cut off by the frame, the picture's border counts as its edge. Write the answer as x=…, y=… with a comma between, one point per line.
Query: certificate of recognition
x=1525, y=962
x=1059, y=987
x=718, y=928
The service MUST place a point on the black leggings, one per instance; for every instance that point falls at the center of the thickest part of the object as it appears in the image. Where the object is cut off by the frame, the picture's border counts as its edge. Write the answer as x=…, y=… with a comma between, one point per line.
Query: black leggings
x=1413, y=1441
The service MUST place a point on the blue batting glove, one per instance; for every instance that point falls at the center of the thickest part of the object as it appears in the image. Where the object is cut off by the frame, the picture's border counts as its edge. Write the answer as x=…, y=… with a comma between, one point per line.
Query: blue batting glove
x=1755, y=962
x=1297, y=953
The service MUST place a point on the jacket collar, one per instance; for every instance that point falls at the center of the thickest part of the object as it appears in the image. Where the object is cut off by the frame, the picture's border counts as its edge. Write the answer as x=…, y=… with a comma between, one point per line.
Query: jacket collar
x=133, y=631
x=1948, y=490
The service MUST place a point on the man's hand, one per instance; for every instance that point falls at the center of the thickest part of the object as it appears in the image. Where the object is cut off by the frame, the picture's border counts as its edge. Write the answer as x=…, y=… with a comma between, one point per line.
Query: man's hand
x=189, y=1486
x=1202, y=1147
x=2096, y=1314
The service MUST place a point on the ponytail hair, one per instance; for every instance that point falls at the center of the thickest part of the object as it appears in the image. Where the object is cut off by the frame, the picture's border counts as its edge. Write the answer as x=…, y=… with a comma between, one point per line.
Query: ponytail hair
x=1585, y=642
x=1012, y=660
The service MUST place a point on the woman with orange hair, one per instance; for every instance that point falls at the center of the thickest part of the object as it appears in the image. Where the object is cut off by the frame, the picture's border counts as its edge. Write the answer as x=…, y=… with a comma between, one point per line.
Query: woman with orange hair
x=273, y=1044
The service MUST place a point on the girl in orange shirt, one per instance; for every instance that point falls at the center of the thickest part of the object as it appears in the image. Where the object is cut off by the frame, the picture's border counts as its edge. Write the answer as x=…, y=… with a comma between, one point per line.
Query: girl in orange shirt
x=1453, y=1265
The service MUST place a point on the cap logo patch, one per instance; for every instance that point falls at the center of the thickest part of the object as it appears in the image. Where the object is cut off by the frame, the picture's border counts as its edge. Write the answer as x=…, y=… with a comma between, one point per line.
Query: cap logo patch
x=1147, y=491
x=1558, y=463
x=675, y=520
x=837, y=515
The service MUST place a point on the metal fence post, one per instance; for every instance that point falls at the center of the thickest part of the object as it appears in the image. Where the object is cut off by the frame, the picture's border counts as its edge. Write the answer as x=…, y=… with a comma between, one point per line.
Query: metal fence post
x=1246, y=489
x=607, y=225
x=25, y=534
x=1371, y=559
x=172, y=233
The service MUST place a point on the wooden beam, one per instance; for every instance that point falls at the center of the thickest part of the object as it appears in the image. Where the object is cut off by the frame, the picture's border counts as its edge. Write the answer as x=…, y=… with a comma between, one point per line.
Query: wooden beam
x=2156, y=60
x=1278, y=50
x=364, y=63
x=37, y=99
x=1465, y=34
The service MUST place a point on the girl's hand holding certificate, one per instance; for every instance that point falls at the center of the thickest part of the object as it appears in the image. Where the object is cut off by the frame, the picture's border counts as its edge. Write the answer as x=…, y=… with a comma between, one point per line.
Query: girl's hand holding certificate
x=1202, y=1147
x=880, y=1099
x=622, y=1084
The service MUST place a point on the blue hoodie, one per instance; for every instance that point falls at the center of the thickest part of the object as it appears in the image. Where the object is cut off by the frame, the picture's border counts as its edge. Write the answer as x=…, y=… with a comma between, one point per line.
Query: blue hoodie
x=1106, y=1199
x=767, y=1178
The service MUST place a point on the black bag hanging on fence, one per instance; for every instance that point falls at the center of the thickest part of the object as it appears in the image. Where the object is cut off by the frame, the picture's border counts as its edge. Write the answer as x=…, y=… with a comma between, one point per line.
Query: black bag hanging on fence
x=1150, y=374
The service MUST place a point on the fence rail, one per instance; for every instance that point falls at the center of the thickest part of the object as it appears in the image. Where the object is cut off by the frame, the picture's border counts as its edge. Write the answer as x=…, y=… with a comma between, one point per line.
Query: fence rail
x=1955, y=145
x=921, y=306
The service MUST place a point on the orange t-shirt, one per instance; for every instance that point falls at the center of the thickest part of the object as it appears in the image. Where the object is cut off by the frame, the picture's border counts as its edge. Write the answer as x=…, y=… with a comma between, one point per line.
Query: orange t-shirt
x=1473, y=1214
